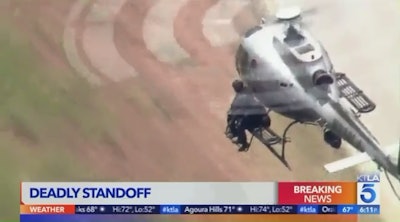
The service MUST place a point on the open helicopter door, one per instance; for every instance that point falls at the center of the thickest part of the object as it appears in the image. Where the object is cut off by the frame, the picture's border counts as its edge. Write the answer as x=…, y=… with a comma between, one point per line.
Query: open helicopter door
x=359, y=159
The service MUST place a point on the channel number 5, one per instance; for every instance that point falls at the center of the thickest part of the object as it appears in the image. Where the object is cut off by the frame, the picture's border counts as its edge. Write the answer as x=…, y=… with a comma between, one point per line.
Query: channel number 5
x=368, y=194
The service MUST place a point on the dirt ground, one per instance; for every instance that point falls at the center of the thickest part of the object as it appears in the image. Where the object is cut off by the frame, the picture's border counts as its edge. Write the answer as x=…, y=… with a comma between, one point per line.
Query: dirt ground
x=170, y=87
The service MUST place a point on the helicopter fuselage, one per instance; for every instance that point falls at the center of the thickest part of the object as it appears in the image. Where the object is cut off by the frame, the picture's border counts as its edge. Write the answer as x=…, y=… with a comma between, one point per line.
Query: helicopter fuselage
x=280, y=73
x=291, y=73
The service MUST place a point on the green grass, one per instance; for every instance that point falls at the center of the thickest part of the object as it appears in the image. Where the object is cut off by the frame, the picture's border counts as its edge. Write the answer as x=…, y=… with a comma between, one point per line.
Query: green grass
x=41, y=109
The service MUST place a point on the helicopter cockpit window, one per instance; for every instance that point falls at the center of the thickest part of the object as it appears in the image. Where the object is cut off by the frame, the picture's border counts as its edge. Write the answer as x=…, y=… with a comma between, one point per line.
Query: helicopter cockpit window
x=242, y=60
x=293, y=36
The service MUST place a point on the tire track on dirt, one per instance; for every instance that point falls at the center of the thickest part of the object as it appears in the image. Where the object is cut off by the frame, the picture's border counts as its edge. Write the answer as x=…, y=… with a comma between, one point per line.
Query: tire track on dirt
x=158, y=31
x=193, y=13
x=192, y=129
x=251, y=14
x=171, y=134
x=142, y=138
x=98, y=41
x=219, y=61
x=217, y=22
x=71, y=46
x=88, y=33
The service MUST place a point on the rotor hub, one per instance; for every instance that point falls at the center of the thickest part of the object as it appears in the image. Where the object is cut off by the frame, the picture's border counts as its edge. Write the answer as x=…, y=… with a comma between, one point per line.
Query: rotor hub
x=288, y=13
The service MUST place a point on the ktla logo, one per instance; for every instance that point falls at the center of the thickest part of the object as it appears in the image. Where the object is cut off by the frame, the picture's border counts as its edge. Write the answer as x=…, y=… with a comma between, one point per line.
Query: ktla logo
x=368, y=189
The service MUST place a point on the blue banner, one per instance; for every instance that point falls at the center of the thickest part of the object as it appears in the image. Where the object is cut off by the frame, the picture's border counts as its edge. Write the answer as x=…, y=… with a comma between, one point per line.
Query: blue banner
x=84, y=211
x=80, y=218
x=347, y=209
x=185, y=209
x=369, y=209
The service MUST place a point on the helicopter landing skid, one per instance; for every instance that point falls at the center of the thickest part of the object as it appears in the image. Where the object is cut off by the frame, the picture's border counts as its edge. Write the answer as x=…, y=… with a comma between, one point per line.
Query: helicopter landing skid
x=269, y=138
x=286, y=139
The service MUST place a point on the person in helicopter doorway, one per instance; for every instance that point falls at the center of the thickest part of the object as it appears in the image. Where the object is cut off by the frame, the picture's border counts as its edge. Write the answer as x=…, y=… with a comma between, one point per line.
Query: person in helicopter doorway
x=245, y=113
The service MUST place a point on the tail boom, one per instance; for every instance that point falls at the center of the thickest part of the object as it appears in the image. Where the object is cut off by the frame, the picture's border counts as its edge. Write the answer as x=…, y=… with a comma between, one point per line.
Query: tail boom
x=363, y=158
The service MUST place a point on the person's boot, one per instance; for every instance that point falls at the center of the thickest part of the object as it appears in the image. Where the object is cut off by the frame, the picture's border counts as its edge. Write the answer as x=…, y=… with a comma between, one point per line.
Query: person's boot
x=235, y=140
x=244, y=147
x=229, y=135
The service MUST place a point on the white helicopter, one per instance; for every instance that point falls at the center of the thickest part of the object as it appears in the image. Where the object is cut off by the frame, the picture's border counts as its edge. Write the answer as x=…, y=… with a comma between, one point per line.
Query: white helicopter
x=289, y=72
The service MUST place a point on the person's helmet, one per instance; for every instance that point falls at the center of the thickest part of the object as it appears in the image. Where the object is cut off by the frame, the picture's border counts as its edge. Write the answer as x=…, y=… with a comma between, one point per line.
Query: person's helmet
x=237, y=85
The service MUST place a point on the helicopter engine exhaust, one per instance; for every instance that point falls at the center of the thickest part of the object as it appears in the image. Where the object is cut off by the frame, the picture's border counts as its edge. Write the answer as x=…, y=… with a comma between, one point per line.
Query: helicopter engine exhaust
x=332, y=139
x=320, y=77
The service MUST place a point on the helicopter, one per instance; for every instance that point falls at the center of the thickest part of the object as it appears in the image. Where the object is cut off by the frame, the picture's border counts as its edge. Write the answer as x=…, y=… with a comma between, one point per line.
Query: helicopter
x=290, y=73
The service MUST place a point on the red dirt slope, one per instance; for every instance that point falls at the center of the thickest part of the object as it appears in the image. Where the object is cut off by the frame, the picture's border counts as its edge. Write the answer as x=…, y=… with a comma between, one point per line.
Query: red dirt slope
x=171, y=119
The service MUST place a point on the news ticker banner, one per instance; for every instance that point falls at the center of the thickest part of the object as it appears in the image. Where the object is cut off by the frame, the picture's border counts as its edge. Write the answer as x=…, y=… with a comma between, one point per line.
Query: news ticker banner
x=197, y=209
x=361, y=197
